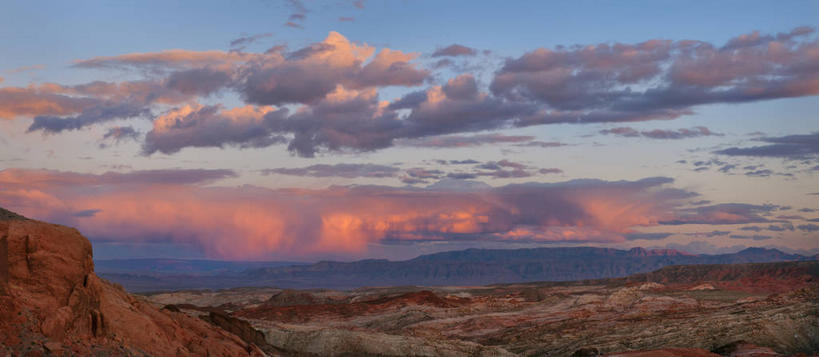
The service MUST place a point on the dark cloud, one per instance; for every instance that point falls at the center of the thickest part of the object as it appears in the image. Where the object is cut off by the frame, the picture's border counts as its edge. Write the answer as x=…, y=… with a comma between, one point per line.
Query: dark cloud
x=542, y=144
x=422, y=173
x=503, y=169
x=462, y=162
x=781, y=228
x=199, y=81
x=727, y=168
x=46, y=178
x=725, y=213
x=454, y=50
x=346, y=19
x=119, y=134
x=790, y=147
x=93, y=115
x=550, y=171
x=418, y=175
x=455, y=141
x=662, y=134
x=463, y=87
x=754, y=237
x=498, y=169
x=621, y=131
x=243, y=41
x=299, y=14
x=338, y=170
x=86, y=213
x=441, y=63
x=461, y=175
x=647, y=236
x=810, y=227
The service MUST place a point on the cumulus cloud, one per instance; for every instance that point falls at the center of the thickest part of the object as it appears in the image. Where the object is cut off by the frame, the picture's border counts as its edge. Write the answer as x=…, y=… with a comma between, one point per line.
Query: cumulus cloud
x=454, y=50
x=661, y=133
x=658, y=79
x=199, y=125
x=311, y=73
x=337, y=219
x=57, y=108
x=337, y=170
x=329, y=92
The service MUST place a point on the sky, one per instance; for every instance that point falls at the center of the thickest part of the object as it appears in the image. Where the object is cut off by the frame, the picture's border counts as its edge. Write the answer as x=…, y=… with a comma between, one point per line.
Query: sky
x=308, y=130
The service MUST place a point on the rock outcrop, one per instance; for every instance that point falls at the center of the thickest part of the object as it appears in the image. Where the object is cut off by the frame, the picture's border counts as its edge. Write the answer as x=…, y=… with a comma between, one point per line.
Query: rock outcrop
x=51, y=302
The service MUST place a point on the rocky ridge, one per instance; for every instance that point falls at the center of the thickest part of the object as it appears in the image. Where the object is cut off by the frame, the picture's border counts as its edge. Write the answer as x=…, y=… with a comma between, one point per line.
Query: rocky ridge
x=52, y=303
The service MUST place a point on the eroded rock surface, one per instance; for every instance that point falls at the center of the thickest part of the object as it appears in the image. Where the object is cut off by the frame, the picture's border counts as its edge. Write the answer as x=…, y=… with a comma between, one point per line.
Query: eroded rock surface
x=772, y=305
x=52, y=303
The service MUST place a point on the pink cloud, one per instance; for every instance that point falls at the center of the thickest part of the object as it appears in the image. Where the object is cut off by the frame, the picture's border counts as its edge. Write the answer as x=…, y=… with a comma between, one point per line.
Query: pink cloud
x=251, y=222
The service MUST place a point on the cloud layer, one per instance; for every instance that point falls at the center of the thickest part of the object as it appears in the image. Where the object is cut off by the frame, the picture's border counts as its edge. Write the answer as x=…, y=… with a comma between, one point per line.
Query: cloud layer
x=327, y=95
x=250, y=222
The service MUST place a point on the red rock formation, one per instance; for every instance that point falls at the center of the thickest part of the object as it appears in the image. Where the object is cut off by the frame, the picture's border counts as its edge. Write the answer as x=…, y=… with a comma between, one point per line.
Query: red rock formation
x=51, y=300
x=308, y=312
x=668, y=352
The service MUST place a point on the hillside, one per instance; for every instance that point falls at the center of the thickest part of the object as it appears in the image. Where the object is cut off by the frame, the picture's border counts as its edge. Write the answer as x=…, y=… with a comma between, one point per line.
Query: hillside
x=52, y=303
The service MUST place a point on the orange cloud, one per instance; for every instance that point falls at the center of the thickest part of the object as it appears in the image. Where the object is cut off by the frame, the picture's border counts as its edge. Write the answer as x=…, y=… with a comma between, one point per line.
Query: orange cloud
x=253, y=223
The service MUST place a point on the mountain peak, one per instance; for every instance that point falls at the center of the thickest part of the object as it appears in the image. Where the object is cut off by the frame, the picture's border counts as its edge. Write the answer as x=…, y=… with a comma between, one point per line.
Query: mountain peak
x=642, y=252
x=760, y=250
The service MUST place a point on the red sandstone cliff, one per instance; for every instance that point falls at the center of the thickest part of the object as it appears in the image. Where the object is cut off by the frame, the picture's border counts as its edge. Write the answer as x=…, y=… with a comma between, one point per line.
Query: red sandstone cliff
x=51, y=301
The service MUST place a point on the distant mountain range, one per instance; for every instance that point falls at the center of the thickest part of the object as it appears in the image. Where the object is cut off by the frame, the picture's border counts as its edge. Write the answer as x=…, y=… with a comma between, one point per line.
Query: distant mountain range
x=464, y=267
x=162, y=266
